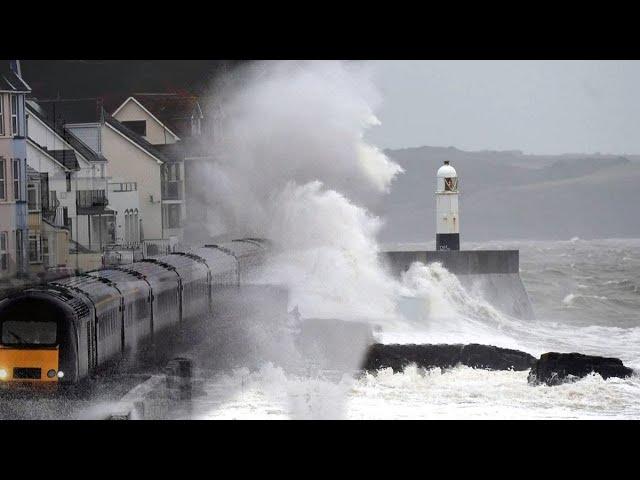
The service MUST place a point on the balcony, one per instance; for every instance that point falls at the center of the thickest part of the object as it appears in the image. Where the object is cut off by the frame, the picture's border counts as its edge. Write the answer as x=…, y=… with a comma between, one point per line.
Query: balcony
x=91, y=202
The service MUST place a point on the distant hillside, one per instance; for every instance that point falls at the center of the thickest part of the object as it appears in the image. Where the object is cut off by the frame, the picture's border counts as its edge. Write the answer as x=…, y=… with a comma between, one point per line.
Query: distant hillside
x=513, y=195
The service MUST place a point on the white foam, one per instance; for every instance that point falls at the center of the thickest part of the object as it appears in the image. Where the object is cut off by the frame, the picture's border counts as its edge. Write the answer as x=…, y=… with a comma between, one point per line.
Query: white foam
x=460, y=392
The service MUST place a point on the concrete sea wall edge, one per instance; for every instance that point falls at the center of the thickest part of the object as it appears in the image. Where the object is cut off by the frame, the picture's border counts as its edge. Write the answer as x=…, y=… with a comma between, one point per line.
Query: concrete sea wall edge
x=494, y=274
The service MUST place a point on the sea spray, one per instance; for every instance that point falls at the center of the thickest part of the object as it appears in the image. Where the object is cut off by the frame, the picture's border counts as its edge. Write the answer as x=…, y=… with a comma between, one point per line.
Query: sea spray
x=292, y=165
x=437, y=308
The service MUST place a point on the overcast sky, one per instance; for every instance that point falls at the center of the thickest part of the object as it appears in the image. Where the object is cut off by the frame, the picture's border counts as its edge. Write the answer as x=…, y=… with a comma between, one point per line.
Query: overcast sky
x=535, y=106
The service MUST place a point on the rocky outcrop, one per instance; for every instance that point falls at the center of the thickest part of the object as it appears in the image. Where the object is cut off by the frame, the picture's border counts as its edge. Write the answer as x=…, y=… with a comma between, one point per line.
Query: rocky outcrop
x=488, y=357
x=555, y=368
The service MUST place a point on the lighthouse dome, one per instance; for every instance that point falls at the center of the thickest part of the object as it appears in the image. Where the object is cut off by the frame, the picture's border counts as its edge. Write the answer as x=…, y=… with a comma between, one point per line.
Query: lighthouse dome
x=447, y=171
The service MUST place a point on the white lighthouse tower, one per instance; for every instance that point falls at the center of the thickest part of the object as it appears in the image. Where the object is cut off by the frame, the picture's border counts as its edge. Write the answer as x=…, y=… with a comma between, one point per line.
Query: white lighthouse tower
x=447, y=219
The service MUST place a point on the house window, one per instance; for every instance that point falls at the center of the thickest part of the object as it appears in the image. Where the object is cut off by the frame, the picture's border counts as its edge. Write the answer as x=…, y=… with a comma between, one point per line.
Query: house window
x=14, y=114
x=125, y=187
x=66, y=220
x=35, y=255
x=3, y=191
x=17, y=184
x=68, y=181
x=173, y=172
x=127, y=227
x=23, y=111
x=1, y=114
x=137, y=126
x=44, y=191
x=136, y=227
x=4, y=256
x=19, y=247
x=33, y=197
x=45, y=252
x=171, y=185
x=172, y=215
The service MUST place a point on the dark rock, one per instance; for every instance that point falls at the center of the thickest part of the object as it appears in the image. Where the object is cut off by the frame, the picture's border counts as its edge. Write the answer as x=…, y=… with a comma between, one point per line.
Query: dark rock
x=555, y=368
x=488, y=357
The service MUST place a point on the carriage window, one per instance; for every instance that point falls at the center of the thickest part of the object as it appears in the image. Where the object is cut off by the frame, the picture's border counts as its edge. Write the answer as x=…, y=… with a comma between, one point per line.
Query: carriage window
x=18, y=332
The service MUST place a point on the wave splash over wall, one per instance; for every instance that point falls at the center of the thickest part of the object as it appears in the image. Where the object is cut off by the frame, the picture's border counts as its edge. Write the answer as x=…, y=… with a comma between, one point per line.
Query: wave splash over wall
x=292, y=166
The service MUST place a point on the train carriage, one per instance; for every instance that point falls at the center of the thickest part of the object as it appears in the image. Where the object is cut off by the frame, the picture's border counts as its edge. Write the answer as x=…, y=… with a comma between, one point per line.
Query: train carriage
x=165, y=285
x=107, y=331
x=223, y=267
x=249, y=253
x=194, y=277
x=136, y=295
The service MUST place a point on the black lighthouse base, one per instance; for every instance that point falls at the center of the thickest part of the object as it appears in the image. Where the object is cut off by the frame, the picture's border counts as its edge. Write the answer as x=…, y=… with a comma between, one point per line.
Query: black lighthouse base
x=447, y=241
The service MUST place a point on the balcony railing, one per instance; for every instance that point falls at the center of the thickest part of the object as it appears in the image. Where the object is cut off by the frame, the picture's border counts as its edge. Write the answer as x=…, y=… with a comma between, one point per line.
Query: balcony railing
x=157, y=247
x=91, y=198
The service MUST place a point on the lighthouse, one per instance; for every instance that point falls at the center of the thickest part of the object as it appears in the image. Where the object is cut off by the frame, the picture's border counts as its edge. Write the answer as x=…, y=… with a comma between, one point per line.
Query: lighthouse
x=447, y=219
x=494, y=272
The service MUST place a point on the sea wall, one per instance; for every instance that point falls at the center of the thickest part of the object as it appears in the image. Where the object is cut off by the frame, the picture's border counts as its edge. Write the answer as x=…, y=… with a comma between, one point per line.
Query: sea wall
x=492, y=274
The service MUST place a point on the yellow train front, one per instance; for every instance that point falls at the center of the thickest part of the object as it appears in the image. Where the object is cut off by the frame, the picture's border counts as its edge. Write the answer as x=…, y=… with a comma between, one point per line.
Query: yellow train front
x=32, y=330
x=29, y=364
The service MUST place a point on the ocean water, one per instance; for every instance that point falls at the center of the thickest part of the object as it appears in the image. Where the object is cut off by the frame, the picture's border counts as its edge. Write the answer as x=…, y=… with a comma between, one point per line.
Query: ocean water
x=586, y=297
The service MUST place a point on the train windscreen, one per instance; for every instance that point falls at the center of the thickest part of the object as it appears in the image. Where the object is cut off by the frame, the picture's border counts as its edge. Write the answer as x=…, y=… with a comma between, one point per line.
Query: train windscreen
x=25, y=332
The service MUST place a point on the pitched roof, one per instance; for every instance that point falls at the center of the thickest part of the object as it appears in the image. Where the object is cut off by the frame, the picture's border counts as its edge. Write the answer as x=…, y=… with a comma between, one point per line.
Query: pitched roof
x=90, y=110
x=66, y=158
x=174, y=110
x=135, y=138
x=70, y=138
x=48, y=152
x=10, y=82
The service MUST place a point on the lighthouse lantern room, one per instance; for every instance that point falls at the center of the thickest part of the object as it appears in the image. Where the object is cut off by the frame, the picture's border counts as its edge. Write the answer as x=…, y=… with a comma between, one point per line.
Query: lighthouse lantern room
x=447, y=219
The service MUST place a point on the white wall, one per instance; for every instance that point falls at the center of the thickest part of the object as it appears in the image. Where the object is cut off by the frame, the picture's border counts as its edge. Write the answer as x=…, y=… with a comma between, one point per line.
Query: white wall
x=121, y=202
x=156, y=133
x=41, y=162
x=129, y=162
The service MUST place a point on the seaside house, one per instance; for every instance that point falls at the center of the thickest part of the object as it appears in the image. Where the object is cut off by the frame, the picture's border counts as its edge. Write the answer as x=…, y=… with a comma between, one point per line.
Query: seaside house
x=134, y=167
x=167, y=121
x=13, y=173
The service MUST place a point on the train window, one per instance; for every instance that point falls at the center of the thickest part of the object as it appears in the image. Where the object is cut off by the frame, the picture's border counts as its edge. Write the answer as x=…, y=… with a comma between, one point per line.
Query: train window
x=20, y=332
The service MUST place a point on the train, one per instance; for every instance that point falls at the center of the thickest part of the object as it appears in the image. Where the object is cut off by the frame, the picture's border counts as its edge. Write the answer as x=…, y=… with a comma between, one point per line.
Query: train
x=62, y=331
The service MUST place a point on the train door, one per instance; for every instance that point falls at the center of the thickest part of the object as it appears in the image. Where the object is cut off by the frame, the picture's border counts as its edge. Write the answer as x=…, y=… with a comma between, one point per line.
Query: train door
x=92, y=342
x=180, y=298
x=122, y=317
x=151, y=311
x=209, y=288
